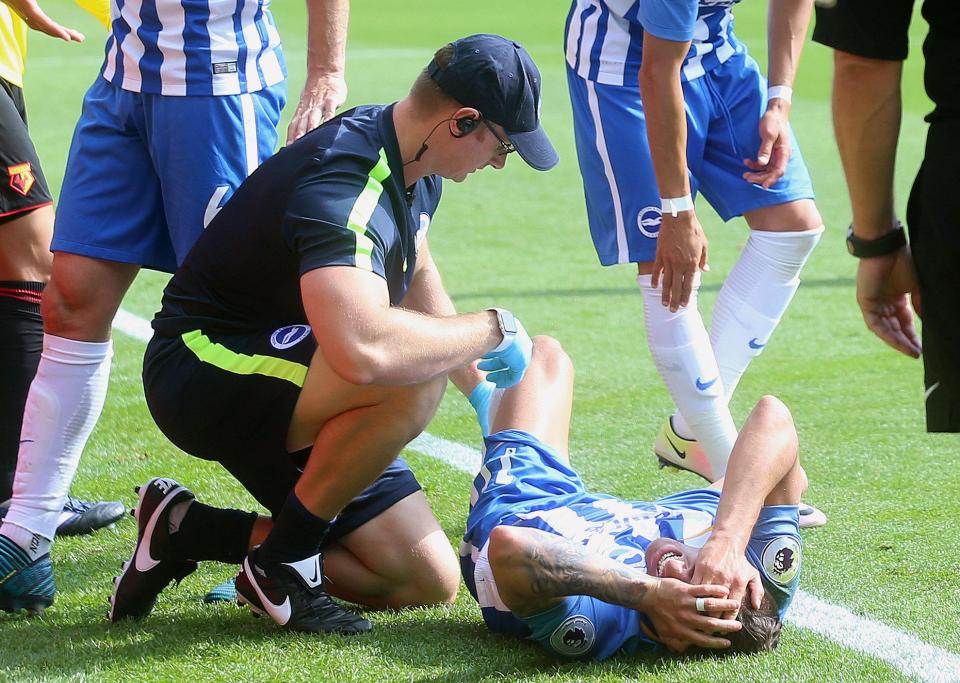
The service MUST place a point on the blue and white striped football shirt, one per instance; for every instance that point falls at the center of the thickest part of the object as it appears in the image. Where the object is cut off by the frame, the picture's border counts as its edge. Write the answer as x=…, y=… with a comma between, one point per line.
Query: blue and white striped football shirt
x=193, y=47
x=604, y=38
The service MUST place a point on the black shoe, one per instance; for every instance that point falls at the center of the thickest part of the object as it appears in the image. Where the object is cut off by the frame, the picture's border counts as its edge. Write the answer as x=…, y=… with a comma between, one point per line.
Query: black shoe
x=292, y=594
x=81, y=517
x=153, y=565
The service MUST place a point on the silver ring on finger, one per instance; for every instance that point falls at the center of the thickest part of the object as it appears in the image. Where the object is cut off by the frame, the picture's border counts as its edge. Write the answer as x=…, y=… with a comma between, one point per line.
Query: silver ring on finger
x=701, y=604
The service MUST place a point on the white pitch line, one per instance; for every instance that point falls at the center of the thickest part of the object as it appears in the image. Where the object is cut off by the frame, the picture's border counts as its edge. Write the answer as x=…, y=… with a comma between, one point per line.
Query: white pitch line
x=901, y=650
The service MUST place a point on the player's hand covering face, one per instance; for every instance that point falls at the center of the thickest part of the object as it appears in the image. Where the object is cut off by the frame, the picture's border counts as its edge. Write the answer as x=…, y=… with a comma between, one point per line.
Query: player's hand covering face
x=672, y=605
x=723, y=562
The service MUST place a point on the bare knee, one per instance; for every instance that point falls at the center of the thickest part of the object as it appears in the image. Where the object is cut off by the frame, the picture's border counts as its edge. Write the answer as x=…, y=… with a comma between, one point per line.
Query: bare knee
x=432, y=579
x=800, y=215
x=548, y=354
x=83, y=296
x=436, y=586
x=849, y=66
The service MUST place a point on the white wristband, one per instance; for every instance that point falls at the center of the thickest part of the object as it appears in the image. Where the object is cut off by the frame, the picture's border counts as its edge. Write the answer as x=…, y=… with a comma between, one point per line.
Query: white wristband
x=783, y=92
x=672, y=205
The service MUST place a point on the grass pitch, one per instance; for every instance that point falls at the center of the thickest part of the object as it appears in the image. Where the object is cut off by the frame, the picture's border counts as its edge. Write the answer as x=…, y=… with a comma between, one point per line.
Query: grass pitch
x=518, y=239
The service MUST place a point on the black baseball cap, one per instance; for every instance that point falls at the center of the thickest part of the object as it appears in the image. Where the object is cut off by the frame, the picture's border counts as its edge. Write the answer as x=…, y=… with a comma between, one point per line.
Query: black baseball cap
x=498, y=78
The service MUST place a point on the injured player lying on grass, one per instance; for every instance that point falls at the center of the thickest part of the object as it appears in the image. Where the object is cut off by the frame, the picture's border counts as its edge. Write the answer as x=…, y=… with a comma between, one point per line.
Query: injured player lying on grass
x=588, y=575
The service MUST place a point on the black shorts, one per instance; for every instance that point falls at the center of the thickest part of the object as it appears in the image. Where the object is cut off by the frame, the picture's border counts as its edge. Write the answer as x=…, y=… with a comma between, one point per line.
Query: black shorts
x=234, y=407
x=862, y=28
x=932, y=212
x=22, y=185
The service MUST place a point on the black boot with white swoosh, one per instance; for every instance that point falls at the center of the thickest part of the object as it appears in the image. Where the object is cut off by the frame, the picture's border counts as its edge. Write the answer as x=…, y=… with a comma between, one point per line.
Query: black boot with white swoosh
x=292, y=594
x=154, y=564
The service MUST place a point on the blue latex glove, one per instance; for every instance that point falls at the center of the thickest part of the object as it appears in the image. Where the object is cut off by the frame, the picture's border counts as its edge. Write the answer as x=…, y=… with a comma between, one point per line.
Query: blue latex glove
x=480, y=400
x=506, y=368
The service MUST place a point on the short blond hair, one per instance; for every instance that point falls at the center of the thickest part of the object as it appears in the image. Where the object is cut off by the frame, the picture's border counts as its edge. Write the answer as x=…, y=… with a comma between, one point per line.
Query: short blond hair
x=425, y=93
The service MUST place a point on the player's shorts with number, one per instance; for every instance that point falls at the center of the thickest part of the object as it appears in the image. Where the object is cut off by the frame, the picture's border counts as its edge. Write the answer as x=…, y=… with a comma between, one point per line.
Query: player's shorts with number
x=146, y=172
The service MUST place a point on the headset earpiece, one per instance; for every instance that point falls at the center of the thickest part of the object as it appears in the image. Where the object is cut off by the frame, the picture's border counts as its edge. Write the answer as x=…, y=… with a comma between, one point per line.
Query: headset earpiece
x=466, y=125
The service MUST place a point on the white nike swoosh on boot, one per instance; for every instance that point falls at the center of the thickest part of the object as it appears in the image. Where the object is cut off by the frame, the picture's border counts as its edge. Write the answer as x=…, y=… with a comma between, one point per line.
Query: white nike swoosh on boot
x=306, y=567
x=143, y=561
x=279, y=613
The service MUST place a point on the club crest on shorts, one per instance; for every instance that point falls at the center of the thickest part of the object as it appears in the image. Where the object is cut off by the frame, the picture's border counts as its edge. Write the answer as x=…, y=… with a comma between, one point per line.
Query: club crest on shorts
x=288, y=336
x=574, y=637
x=648, y=220
x=21, y=178
x=781, y=559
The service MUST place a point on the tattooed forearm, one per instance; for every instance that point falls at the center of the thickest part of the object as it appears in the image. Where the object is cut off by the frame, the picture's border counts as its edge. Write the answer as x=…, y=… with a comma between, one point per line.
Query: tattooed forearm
x=557, y=567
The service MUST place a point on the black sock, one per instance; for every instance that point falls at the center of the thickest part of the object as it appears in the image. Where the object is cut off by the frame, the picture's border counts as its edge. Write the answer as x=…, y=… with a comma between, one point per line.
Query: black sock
x=297, y=533
x=209, y=533
x=21, y=341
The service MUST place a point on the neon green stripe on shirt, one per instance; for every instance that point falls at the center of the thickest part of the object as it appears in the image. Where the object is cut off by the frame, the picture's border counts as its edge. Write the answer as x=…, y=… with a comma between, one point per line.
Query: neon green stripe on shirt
x=240, y=363
x=363, y=209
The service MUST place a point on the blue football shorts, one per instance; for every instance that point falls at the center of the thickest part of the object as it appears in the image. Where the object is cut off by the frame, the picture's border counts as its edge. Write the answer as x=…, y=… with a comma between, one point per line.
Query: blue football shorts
x=724, y=108
x=146, y=173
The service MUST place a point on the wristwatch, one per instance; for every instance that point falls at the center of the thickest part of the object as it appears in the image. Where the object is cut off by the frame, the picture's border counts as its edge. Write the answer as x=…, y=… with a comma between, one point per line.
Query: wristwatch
x=881, y=246
x=508, y=328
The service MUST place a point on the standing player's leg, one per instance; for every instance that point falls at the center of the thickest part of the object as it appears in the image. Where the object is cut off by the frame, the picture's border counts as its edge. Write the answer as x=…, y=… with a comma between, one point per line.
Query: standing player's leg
x=784, y=221
x=761, y=284
x=935, y=244
x=26, y=217
x=785, y=225
x=623, y=208
x=26, y=225
x=106, y=226
x=24, y=272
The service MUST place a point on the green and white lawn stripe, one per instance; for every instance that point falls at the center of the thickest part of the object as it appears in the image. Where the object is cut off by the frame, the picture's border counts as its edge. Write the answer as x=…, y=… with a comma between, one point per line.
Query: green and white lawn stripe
x=904, y=651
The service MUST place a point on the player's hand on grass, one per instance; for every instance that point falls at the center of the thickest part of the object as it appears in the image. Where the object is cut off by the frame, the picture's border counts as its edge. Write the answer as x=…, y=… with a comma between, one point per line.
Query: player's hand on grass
x=506, y=368
x=884, y=288
x=774, y=151
x=722, y=562
x=319, y=101
x=681, y=252
x=671, y=606
x=36, y=18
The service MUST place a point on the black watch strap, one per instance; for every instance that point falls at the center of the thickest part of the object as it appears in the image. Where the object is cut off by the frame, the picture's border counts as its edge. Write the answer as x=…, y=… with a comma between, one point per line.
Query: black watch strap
x=885, y=244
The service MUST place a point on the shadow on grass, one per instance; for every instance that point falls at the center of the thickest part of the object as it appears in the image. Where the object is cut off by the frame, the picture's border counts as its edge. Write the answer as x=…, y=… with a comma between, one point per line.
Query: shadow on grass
x=469, y=652
x=811, y=283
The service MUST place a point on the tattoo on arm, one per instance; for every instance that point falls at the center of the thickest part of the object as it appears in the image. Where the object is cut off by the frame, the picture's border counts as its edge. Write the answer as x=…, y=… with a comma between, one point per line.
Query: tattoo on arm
x=557, y=567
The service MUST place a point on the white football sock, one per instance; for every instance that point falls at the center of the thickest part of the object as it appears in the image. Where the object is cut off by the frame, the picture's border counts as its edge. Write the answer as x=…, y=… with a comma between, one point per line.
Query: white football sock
x=682, y=353
x=62, y=408
x=754, y=297
x=35, y=545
